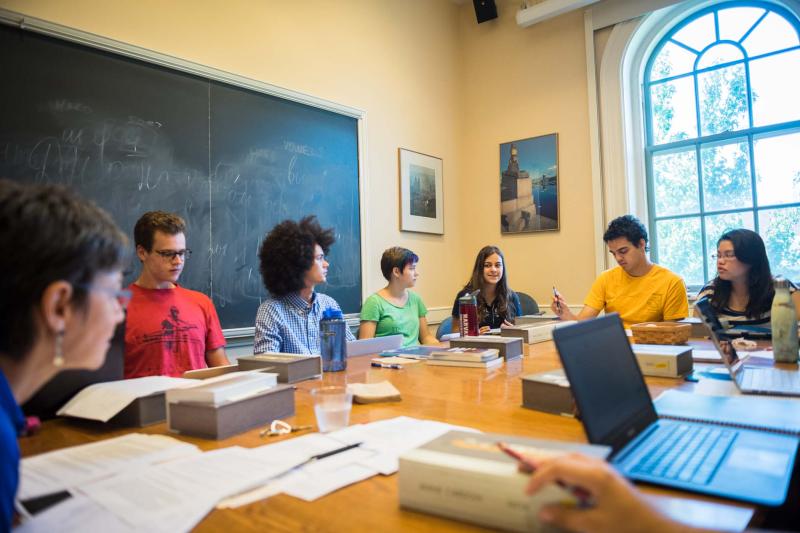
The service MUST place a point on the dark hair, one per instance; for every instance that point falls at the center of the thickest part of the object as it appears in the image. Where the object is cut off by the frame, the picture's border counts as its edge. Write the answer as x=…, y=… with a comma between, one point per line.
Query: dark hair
x=287, y=252
x=396, y=257
x=49, y=234
x=145, y=229
x=627, y=226
x=502, y=294
x=749, y=249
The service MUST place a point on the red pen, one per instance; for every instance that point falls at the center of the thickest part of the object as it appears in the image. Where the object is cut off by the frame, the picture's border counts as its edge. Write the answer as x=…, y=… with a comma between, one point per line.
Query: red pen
x=583, y=496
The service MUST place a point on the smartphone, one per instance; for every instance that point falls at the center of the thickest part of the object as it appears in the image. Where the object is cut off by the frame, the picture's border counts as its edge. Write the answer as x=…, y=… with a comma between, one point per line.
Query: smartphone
x=558, y=302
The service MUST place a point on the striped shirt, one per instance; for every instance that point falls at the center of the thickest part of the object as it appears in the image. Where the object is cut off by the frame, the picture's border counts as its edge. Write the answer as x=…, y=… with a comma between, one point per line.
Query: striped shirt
x=290, y=324
x=731, y=318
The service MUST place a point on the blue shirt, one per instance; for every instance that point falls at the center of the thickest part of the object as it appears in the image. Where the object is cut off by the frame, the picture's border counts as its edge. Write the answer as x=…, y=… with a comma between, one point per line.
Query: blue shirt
x=289, y=324
x=12, y=422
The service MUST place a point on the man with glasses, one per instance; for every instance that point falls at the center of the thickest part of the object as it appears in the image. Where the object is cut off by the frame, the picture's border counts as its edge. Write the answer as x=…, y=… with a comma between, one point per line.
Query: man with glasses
x=169, y=329
x=637, y=289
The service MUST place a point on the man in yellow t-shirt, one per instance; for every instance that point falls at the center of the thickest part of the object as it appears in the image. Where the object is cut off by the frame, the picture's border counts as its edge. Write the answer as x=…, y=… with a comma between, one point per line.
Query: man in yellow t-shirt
x=637, y=289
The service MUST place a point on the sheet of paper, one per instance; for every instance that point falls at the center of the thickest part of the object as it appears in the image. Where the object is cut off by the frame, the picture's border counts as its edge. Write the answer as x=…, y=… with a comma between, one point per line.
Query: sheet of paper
x=102, y=401
x=71, y=467
x=152, y=495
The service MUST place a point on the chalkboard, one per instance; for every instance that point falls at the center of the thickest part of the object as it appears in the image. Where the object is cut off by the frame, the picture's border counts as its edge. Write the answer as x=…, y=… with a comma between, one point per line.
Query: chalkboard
x=136, y=136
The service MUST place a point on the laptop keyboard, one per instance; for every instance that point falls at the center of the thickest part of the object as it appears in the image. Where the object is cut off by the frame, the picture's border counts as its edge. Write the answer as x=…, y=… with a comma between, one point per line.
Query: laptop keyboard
x=685, y=452
x=771, y=380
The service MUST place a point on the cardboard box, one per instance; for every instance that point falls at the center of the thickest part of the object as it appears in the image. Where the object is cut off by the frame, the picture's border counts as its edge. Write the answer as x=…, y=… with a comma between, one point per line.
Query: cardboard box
x=211, y=372
x=533, y=333
x=290, y=368
x=662, y=360
x=549, y=392
x=144, y=411
x=228, y=419
x=509, y=347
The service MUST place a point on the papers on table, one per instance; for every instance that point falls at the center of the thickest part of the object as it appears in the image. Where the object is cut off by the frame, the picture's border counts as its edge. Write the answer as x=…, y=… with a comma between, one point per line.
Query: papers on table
x=102, y=401
x=72, y=467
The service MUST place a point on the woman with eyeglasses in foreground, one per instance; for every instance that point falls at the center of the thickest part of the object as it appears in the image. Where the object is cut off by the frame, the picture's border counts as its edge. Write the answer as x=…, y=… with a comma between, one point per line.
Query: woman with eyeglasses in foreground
x=742, y=292
x=60, y=301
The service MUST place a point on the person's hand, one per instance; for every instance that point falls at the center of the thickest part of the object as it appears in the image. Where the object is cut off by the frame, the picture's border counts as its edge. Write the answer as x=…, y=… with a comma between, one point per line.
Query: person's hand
x=560, y=308
x=507, y=323
x=484, y=330
x=617, y=505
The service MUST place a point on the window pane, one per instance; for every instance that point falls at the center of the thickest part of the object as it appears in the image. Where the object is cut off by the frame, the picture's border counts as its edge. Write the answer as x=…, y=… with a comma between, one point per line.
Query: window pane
x=723, y=100
x=716, y=225
x=698, y=34
x=780, y=229
x=774, y=81
x=674, y=116
x=734, y=22
x=719, y=54
x=726, y=176
x=675, y=183
x=773, y=33
x=679, y=248
x=672, y=60
x=777, y=169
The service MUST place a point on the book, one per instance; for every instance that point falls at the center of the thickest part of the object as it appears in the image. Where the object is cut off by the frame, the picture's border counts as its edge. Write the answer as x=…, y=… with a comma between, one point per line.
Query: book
x=226, y=388
x=382, y=391
x=491, y=363
x=465, y=476
x=509, y=347
x=465, y=354
x=549, y=392
x=411, y=352
x=534, y=333
x=290, y=367
x=762, y=413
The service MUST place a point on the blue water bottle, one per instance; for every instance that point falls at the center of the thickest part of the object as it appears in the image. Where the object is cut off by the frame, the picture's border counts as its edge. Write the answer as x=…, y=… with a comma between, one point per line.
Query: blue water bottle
x=333, y=340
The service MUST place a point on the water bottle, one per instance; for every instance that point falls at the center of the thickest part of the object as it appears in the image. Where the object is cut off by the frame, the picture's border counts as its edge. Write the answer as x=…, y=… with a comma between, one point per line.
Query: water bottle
x=784, y=324
x=468, y=314
x=332, y=329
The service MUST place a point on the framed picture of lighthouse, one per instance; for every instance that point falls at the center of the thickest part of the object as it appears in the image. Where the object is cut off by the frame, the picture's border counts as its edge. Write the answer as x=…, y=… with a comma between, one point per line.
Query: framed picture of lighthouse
x=421, y=195
x=529, y=185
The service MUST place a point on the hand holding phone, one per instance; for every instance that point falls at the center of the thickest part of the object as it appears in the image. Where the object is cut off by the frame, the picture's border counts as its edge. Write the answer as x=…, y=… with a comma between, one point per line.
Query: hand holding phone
x=558, y=301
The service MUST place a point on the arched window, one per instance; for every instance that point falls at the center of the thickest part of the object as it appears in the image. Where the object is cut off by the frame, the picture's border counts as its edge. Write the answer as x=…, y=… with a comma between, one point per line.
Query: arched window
x=722, y=123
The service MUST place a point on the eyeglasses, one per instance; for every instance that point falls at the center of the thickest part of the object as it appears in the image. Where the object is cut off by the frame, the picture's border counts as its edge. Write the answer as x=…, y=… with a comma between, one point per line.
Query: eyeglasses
x=725, y=256
x=169, y=255
x=122, y=296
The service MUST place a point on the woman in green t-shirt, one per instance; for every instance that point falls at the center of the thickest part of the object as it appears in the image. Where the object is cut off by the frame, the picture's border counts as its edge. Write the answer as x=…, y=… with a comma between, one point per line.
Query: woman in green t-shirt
x=394, y=309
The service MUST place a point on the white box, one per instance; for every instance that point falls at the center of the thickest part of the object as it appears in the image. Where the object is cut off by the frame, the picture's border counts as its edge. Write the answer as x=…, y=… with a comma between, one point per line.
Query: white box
x=663, y=360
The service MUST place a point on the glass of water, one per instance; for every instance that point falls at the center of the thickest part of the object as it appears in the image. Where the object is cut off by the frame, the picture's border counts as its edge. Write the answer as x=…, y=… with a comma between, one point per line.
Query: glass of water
x=332, y=407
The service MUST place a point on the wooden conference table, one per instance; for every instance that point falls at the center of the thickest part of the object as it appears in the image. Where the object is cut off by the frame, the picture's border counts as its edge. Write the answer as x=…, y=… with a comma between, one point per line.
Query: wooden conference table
x=486, y=400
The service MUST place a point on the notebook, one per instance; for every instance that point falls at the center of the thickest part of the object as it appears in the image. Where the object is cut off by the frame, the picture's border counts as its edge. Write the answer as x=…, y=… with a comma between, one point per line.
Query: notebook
x=749, y=380
x=373, y=345
x=616, y=410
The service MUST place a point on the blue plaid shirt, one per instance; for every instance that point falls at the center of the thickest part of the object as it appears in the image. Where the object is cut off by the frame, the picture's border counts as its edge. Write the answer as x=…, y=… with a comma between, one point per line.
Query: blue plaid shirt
x=289, y=324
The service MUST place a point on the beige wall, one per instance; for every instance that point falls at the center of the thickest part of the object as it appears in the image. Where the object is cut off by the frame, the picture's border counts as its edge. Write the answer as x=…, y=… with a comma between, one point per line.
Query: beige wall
x=430, y=79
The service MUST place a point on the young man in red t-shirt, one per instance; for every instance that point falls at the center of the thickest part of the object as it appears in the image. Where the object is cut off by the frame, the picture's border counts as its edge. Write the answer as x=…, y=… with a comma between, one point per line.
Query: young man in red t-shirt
x=169, y=329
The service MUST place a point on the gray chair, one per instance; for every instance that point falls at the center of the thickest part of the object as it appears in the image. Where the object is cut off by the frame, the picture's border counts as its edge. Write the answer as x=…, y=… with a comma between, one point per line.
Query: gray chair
x=444, y=328
x=529, y=305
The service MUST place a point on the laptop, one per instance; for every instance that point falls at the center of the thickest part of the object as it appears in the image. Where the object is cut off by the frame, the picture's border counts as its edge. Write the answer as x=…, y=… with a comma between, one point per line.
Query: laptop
x=616, y=410
x=374, y=345
x=749, y=379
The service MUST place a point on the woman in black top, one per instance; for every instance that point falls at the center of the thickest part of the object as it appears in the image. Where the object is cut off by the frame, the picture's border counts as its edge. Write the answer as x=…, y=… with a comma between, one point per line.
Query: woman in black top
x=497, y=303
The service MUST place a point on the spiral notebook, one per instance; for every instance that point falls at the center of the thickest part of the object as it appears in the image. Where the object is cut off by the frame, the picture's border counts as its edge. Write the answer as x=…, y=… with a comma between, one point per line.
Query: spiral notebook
x=775, y=415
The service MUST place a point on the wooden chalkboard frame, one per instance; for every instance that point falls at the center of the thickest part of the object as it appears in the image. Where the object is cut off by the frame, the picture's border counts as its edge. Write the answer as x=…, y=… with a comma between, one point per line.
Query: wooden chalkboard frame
x=73, y=35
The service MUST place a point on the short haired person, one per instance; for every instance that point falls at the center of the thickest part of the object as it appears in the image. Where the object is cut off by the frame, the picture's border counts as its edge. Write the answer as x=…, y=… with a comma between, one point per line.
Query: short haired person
x=395, y=309
x=742, y=292
x=637, y=289
x=60, y=302
x=497, y=304
x=169, y=329
x=292, y=259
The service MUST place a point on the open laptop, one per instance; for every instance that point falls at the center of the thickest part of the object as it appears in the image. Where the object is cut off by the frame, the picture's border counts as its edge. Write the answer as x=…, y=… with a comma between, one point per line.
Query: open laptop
x=373, y=345
x=616, y=410
x=749, y=379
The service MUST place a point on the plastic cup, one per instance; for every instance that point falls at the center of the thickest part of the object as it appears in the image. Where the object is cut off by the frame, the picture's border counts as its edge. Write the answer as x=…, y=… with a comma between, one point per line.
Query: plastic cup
x=332, y=407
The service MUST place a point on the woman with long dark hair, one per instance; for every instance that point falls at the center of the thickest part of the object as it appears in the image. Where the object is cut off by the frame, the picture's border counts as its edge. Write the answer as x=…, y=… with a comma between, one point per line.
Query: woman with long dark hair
x=497, y=303
x=742, y=292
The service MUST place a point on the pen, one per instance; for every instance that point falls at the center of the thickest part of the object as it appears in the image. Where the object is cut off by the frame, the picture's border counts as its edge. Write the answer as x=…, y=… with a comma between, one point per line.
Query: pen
x=583, y=496
x=383, y=365
x=315, y=458
x=558, y=302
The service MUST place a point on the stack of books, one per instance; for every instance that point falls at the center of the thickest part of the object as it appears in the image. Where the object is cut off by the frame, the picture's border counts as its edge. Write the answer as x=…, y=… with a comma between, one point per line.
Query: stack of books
x=470, y=357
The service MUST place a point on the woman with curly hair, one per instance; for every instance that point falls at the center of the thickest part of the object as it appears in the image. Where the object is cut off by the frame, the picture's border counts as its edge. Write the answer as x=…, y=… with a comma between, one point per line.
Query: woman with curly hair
x=292, y=258
x=497, y=303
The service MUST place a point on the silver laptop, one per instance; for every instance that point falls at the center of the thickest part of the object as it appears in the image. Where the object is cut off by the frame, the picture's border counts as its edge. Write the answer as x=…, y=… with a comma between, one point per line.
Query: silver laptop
x=749, y=379
x=374, y=345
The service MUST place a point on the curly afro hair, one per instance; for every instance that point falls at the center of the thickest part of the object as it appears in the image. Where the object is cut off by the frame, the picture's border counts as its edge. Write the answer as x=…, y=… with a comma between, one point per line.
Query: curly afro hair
x=627, y=226
x=287, y=252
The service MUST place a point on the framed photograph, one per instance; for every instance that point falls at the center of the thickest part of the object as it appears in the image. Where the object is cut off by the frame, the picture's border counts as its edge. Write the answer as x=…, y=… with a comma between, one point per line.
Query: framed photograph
x=529, y=185
x=421, y=195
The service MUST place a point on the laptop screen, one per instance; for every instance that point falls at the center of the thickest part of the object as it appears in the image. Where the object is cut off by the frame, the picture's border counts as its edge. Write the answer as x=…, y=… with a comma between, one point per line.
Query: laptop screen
x=721, y=340
x=604, y=375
